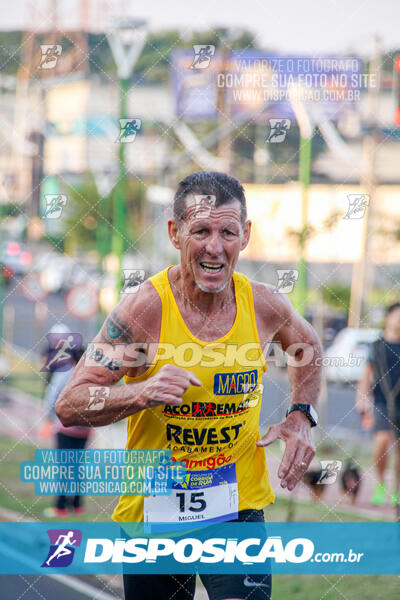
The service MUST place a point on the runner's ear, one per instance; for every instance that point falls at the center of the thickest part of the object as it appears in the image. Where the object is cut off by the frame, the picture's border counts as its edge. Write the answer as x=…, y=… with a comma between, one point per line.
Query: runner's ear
x=173, y=233
x=246, y=235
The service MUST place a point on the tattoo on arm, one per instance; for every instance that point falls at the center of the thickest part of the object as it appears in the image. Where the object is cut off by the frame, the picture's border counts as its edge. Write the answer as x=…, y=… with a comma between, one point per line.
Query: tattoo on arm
x=117, y=330
x=99, y=356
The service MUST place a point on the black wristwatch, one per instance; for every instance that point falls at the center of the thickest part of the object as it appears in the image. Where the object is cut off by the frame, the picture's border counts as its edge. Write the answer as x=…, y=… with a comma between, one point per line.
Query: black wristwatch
x=307, y=409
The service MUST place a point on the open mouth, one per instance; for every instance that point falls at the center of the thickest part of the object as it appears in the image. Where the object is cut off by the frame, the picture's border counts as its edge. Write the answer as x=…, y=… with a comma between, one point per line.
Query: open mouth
x=210, y=267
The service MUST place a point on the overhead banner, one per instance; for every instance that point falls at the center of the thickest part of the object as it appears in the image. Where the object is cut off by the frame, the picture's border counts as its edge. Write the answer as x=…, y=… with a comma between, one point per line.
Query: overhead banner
x=256, y=84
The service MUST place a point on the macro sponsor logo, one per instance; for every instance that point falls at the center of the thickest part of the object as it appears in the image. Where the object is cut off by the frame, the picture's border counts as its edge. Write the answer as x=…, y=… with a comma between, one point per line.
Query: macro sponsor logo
x=192, y=436
x=235, y=383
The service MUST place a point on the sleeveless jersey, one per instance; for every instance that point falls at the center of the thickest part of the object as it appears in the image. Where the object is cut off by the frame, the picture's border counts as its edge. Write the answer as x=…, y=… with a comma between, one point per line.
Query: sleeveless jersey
x=217, y=423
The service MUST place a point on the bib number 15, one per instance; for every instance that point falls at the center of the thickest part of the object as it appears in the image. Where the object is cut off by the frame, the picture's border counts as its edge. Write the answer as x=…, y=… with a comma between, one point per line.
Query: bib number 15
x=195, y=503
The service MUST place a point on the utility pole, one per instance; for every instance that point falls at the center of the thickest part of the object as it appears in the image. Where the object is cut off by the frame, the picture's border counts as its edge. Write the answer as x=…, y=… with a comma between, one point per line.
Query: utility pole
x=261, y=155
x=225, y=143
x=362, y=278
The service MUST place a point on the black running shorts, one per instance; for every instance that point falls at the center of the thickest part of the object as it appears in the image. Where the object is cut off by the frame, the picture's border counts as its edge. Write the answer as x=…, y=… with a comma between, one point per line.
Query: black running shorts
x=219, y=587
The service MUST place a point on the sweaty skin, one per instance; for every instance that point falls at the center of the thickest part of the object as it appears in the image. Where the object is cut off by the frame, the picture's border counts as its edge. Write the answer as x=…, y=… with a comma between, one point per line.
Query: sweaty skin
x=207, y=303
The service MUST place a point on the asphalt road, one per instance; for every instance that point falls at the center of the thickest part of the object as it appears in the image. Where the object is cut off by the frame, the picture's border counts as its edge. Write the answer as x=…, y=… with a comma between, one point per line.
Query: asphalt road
x=28, y=332
x=26, y=326
x=39, y=587
x=339, y=414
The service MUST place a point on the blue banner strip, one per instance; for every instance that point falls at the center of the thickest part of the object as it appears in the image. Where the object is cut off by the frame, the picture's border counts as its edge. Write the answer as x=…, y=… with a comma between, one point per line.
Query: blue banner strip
x=297, y=548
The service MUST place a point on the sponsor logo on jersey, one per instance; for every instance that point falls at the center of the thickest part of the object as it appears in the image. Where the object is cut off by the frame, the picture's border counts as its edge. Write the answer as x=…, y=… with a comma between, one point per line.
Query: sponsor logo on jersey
x=228, y=384
x=212, y=462
x=206, y=409
x=191, y=436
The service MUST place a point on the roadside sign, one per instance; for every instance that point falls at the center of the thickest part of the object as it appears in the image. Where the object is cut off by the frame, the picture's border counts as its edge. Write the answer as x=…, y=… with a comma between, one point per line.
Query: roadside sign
x=82, y=301
x=32, y=289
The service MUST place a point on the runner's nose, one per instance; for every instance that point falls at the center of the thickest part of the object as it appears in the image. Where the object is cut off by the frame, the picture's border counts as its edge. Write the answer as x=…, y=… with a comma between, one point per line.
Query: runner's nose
x=214, y=246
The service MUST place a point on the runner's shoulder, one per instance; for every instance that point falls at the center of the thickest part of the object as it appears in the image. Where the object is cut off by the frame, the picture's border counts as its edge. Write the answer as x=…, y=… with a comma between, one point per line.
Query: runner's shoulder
x=269, y=303
x=141, y=310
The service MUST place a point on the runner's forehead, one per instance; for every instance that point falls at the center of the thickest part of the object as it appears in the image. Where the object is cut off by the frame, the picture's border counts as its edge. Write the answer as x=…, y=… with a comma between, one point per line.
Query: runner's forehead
x=204, y=207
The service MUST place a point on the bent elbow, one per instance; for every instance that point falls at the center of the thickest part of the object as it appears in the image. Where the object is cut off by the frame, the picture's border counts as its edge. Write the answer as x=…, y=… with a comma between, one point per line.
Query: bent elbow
x=61, y=410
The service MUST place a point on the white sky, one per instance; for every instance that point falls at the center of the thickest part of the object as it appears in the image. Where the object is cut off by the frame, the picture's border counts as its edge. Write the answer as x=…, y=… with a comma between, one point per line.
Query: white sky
x=288, y=26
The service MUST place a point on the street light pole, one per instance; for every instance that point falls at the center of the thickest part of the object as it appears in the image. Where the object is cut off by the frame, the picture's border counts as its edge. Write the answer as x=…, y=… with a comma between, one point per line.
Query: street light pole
x=306, y=131
x=361, y=277
x=304, y=178
x=119, y=208
x=126, y=40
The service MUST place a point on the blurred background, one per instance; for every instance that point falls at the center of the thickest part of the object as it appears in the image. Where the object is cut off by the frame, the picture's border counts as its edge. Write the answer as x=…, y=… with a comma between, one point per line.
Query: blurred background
x=106, y=105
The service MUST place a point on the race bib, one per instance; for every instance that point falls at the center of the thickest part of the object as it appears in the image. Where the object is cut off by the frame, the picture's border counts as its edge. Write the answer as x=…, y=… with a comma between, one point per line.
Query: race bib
x=204, y=496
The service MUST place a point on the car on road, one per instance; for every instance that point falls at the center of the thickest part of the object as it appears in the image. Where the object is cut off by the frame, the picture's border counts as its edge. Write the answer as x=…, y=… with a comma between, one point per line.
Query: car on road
x=345, y=359
x=15, y=259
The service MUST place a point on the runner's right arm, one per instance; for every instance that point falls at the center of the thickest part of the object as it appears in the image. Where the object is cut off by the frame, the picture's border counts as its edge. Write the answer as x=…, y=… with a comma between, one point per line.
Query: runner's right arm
x=134, y=321
x=363, y=402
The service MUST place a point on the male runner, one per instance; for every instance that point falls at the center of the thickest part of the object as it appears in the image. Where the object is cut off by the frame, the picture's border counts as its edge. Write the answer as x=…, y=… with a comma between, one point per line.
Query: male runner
x=202, y=398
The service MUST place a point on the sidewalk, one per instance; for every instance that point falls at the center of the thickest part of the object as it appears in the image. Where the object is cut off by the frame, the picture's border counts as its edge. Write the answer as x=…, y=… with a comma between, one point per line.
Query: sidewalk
x=334, y=498
x=21, y=415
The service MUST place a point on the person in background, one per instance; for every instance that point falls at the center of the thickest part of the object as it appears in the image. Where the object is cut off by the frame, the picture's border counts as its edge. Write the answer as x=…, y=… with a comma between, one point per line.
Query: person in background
x=46, y=351
x=67, y=438
x=382, y=378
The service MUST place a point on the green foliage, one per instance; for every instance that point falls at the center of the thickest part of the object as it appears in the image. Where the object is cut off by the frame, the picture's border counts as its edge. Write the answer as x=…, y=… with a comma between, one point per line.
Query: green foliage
x=388, y=61
x=10, y=210
x=337, y=295
x=90, y=219
x=333, y=587
x=10, y=52
x=154, y=63
x=83, y=216
x=332, y=220
x=302, y=236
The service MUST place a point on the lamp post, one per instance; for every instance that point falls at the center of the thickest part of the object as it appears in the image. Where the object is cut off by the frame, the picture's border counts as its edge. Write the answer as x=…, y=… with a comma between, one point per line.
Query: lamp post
x=126, y=39
x=306, y=131
x=105, y=181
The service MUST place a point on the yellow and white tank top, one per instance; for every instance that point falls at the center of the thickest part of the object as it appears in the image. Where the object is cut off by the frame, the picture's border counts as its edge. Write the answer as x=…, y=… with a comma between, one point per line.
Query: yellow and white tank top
x=216, y=426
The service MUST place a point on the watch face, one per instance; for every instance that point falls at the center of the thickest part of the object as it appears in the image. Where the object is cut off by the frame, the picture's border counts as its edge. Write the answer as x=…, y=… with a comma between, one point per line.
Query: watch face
x=313, y=413
x=308, y=409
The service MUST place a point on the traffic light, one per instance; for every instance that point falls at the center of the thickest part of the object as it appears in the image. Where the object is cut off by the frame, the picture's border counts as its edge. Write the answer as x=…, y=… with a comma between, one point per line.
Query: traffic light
x=396, y=87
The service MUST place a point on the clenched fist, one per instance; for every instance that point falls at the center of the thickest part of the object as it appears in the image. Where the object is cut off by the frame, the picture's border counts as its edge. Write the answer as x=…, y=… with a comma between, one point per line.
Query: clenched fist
x=167, y=386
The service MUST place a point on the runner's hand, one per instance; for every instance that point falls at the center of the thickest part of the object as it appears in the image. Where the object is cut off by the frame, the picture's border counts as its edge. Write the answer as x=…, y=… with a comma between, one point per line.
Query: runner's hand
x=168, y=386
x=299, y=451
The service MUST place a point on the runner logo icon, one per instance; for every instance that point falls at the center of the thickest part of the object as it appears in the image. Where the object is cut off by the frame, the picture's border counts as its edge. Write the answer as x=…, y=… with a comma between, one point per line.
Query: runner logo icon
x=62, y=547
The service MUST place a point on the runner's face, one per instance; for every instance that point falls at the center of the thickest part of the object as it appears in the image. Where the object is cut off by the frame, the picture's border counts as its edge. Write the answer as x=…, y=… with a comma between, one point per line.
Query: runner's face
x=210, y=241
x=393, y=322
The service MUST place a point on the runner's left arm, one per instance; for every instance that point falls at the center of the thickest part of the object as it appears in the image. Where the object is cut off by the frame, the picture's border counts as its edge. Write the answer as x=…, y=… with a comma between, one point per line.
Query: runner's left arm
x=304, y=352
